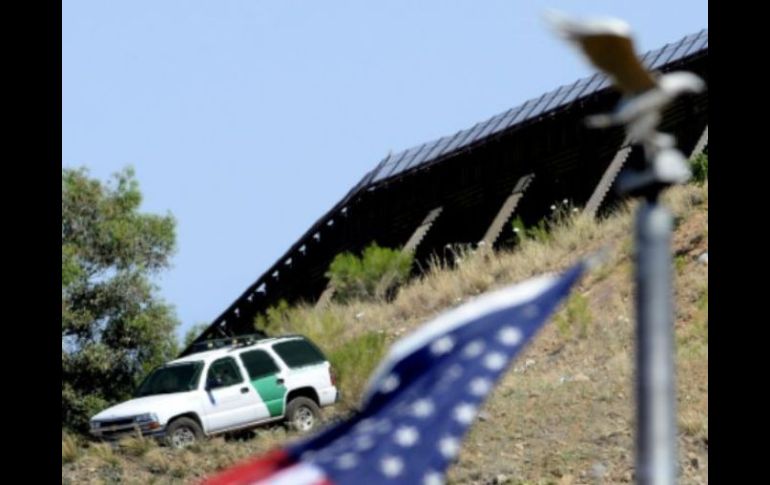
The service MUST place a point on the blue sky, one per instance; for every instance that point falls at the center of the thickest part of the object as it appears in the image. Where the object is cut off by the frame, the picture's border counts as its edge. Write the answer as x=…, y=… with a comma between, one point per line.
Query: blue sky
x=247, y=119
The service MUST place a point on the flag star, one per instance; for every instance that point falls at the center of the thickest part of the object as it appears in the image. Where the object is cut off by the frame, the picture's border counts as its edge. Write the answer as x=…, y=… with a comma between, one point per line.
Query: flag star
x=442, y=345
x=494, y=361
x=464, y=413
x=383, y=426
x=391, y=466
x=449, y=446
x=347, y=461
x=454, y=372
x=422, y=408
x=340, y=442
x=365, y=425
x=390, y=383
x=480, y=386
x=406, y=436
x=531, y=310
x=324, y=456
x=364, y=442
x=510, y=336
x=433, y=478
x=473, y=349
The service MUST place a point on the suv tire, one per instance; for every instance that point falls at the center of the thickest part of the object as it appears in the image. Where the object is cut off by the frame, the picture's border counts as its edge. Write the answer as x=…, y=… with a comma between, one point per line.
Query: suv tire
x=183, y=432
x=303, y=414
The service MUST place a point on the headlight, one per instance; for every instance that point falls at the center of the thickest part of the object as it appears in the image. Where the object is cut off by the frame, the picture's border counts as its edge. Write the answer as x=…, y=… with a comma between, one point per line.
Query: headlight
x=95, y=424
x=147, y=417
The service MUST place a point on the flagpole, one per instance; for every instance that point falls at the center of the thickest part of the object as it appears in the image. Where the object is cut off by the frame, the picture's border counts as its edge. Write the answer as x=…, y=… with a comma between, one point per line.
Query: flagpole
x=656, y=391
x=656, y=427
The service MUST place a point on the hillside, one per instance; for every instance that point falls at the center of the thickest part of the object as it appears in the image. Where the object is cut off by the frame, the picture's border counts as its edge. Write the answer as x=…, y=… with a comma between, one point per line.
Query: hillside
x=563, y=414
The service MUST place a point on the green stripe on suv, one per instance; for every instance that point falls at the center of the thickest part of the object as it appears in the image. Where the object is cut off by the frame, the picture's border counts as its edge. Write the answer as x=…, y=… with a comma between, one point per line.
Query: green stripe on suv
x=271, y=393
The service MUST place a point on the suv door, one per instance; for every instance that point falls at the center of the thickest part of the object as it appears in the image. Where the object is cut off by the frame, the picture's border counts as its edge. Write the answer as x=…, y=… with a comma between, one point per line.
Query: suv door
x=265, y=377
x=229, y=401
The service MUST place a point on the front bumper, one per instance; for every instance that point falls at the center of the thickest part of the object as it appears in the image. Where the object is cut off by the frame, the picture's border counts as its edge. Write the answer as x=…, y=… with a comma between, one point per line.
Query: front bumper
x=115, y=432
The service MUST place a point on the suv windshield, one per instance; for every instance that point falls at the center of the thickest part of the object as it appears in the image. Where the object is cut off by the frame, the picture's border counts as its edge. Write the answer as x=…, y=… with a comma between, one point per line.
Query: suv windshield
x=181, y=377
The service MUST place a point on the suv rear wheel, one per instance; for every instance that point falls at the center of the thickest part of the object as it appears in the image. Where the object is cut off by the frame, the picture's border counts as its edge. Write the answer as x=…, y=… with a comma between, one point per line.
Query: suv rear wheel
x=182, y=432
x=303, y=414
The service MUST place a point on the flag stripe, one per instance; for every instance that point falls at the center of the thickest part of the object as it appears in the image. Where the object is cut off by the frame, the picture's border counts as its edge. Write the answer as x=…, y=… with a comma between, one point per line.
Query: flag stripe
x=253, y=470
x=303, y=473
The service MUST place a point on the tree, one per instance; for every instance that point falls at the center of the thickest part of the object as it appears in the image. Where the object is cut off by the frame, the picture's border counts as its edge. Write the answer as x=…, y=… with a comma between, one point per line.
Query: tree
x=193, y=333
x=114, y=326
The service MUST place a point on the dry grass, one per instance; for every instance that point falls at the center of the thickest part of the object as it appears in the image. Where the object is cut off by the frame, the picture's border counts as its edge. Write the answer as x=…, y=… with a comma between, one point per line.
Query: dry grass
x=137, y=446
x=563, y=415
x=70, y=447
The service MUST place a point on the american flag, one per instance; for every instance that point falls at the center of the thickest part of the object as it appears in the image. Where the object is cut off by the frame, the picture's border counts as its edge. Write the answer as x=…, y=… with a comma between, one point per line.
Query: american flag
x=423, y=397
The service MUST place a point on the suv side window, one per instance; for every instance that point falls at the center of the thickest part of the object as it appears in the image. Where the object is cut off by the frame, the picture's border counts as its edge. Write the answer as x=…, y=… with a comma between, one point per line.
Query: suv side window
x=258, y=363
x=299, y=353
x=222, y=373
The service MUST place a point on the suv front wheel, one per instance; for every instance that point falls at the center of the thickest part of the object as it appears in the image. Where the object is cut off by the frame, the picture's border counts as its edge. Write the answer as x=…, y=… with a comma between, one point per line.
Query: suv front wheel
x=303, y=414
x=182, y=432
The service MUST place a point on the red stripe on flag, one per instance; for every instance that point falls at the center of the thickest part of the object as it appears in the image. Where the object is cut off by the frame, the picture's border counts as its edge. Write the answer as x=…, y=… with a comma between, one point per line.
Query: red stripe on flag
x=252, y=470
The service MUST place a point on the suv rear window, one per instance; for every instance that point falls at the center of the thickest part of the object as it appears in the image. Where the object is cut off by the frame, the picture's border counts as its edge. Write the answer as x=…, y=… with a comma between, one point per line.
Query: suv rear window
x=258, y=364
x=299, y=353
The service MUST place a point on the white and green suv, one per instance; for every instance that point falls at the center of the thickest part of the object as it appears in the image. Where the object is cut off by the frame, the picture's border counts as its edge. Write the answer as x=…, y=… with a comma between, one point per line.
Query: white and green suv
x=227, y=389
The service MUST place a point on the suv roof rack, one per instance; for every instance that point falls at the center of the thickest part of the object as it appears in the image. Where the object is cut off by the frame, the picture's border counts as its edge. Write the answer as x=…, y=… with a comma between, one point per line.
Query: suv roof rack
x=237, y=341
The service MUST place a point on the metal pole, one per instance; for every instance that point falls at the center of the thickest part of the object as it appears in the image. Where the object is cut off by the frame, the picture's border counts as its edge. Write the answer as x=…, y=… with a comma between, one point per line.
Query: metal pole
x=656, y=453
x=656, y=430
x=656, y=427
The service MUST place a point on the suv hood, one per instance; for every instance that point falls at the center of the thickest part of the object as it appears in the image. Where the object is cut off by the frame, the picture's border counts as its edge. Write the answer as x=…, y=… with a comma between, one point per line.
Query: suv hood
x=164, y=405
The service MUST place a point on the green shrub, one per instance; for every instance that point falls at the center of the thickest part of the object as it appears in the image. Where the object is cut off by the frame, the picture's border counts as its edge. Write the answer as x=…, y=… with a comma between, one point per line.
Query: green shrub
x=680, y=262
x=322, y=326
x=354, y=361
x=372, y=276
x=538, y=232
x=275, y=320
x=575, y=318
x=700, y=168
x=561, y=213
